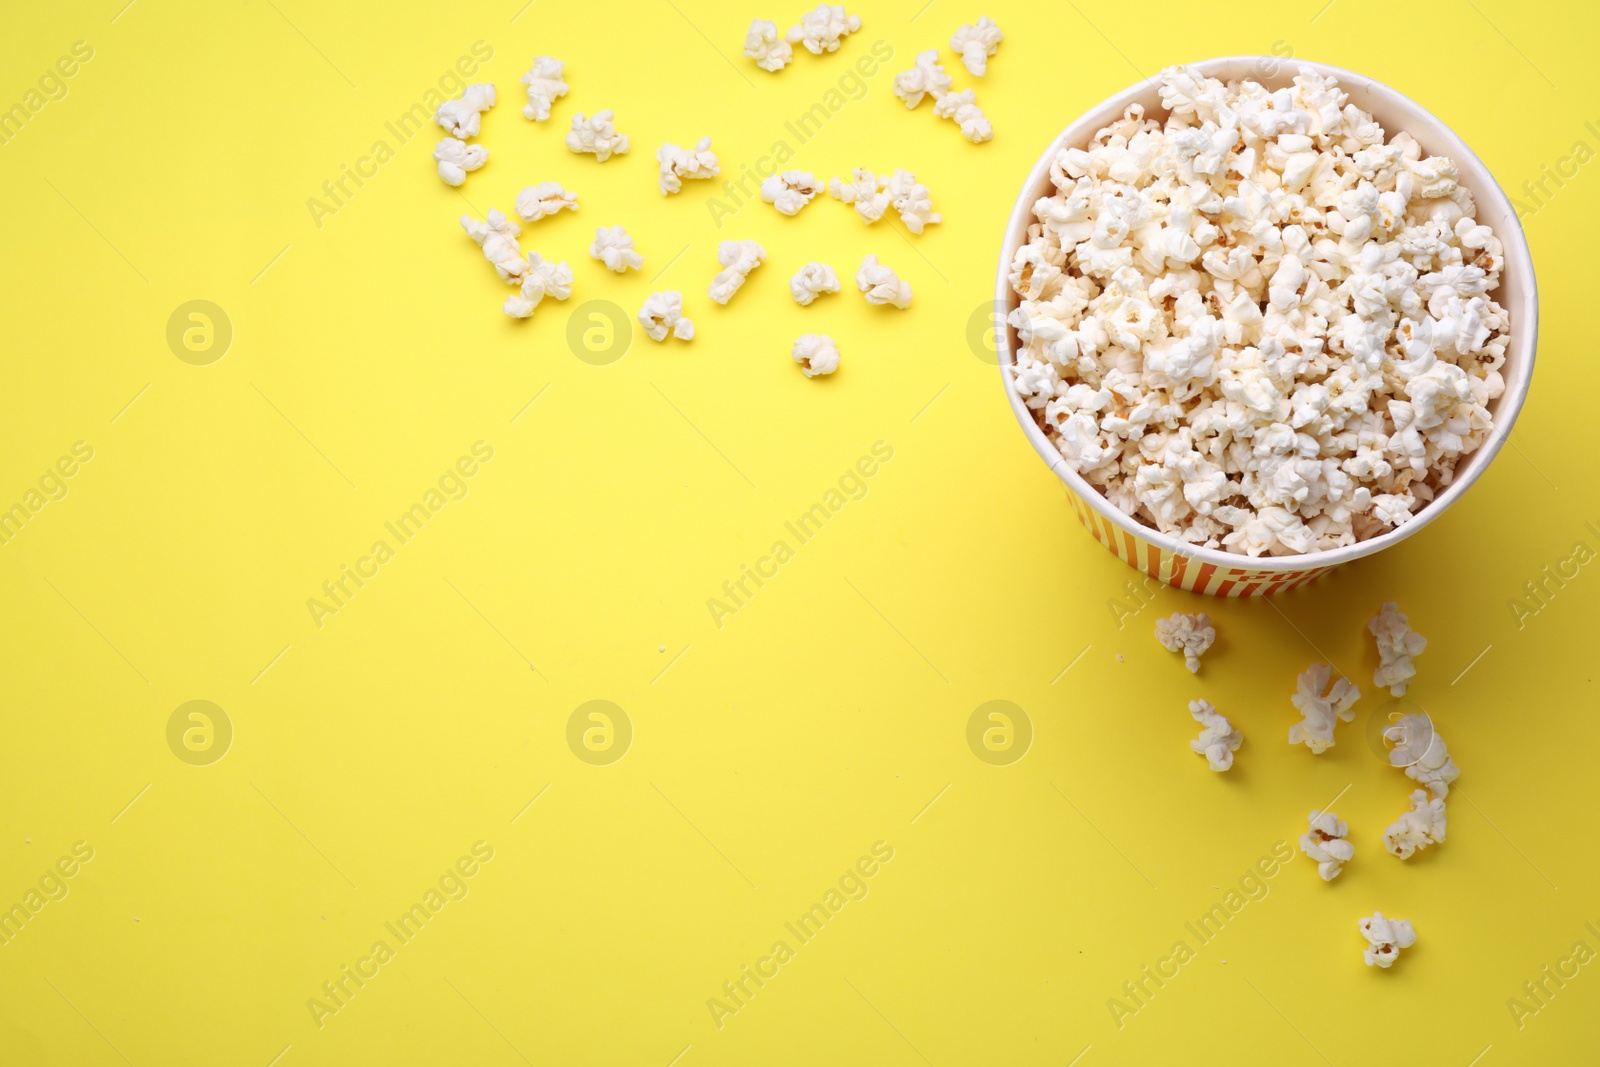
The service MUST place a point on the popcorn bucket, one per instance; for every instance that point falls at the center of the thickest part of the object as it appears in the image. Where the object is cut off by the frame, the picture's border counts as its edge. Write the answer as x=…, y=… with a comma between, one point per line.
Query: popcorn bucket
x=1215, y=572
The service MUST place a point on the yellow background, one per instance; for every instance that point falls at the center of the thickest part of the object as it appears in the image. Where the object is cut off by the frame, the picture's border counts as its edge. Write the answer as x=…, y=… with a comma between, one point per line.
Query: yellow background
x=831, y=711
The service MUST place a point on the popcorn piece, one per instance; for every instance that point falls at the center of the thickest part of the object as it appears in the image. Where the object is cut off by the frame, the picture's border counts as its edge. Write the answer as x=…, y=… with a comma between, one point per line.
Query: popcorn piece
x=1420, y=750
x=881, y=284
x=663, y=313
x=866, y=191
x=1417, y=828
x=1189, y=634
x=975, y=44
x=1320, y=710
x=823, y=28
x=613, y=247
x=811, y=281
x=925, y=77
x=1218, y=740
x=462, y=117
x=763, y=45
x=543, y=200
x=963, y=108
x=545, y=86
x=738, y=259
x=680, y=163
x=817, y=354
x=540, y=280
x=790, y=191
x=456, y=157
x=1397, y=643
x=596, y=136
x=1385, y=939
x=497, y=236
x=912, y=200
x=1325, y=843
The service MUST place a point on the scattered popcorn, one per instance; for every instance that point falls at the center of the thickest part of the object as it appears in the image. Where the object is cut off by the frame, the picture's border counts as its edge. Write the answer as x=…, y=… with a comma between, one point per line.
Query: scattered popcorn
x=1320, y=711
x=1420, y=750
x=1397, y=643
x=763, y=45
x=738, y=259
x=881, y=284
x=926, y=77
x=545, y=199
x=680, y=163
x=1218, y=740
x=456, y=157
x=462, y=117
x=1325, y=843
x=596, y=136
x=613, y=247
x=811, y=281
x=912, y=200
x=545, y=86
x=1189, y=634
x=866, y=191
x=823, y=28
x=1385, y=939
x=1417, y=828
x=817, y=354
x=663, y=313
x=1257, y=322
x=975, y=44
x=541, y=280
x=790, y=191
x=535, y=277
x=963, y=108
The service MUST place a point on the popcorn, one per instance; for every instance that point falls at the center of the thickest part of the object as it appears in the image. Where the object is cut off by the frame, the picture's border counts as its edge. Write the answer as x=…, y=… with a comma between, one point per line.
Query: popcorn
x=462, y=117
x=545, y=86
x=823, y=28
x=1257, y=323
x=1420, y=750
x=1397, y=643
x=543, y=200
x=817, y=354
x=535, y=277
x=541, y=279
x=1320, y=710
x=926, y=77
x=613, y=247
x=963, y=108
x=881, y=284
x=663, y=313
x=790, y=191
x=456, y=157
x=975, y=44
x=1325, y=843
x=596, y=136
x=912, y=200
x=1385, y=939
x=811, y=281
x=1218, y=740
x=1417, y=828
x=1189, y=634
x=738, y=259
x=680, y=163
x=872, y=195
x=763, y=45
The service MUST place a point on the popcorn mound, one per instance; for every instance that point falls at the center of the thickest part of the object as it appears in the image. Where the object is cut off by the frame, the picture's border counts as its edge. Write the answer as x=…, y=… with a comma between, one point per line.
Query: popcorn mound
x=1261, y=325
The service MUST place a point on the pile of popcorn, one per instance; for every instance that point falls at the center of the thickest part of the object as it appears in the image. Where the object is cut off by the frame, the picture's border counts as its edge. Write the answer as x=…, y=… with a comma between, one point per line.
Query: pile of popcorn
x=1263, y=324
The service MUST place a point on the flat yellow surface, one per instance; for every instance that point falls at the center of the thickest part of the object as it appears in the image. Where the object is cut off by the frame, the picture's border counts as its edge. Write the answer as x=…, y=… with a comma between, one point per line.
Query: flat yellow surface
x=409, y=748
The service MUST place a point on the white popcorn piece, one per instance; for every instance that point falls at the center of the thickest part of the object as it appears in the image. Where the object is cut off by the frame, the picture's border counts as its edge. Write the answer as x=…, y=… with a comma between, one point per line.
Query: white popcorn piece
x=456, y=157
x=677, y=164
x=823, y=28
x=1421, y=825
x=867, y=192
x=1385, y=939
x=597, y=136
x=541, y=279
x=614, y=247
x=1422, y=753
x=1397, y=644
x=975, y=44
x=1324, y=842
x=1218, y=740
x=545, y=87
x=662, y=313
x=1189, y=634
x=817, y=353
x=462, y=117
x=963, y=109
x=790, y=191
x=881, y=284
x=811, y=281
x=926, y=77
x=543, y=200
x=738, y=259
x=762, y=44
x=912, y=200
x=497, y=236
x=1321, y=707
